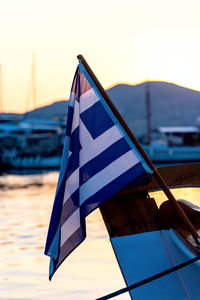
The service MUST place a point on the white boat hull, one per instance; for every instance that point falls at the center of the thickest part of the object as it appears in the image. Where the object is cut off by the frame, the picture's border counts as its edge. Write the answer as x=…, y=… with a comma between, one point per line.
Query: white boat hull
x=145, y=254
x=163, y=153
x=35, y=162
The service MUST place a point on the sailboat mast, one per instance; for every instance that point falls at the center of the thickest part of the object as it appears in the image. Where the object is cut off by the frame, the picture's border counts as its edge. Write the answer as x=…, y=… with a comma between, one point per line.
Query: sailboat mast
x=33, y=75
x=148, y=112
x=1, y=90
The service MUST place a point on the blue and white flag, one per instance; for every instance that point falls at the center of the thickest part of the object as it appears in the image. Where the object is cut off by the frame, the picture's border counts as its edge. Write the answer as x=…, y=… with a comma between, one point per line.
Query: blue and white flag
x=98, y=160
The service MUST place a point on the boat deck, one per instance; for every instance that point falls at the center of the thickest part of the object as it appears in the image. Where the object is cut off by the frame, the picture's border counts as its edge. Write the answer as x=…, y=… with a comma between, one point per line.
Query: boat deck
x=148, y=239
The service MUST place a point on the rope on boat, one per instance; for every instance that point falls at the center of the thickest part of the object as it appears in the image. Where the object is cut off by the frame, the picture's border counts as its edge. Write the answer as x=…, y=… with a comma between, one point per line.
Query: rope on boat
x=149, y=279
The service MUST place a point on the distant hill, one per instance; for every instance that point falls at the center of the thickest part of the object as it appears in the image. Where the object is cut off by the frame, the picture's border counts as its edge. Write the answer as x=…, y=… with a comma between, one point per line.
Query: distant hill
x=171, y=105
x=58, y=108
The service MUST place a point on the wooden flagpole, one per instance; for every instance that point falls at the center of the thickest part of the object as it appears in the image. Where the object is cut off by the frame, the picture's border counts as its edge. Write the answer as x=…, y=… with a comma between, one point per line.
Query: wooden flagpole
x=156, y=174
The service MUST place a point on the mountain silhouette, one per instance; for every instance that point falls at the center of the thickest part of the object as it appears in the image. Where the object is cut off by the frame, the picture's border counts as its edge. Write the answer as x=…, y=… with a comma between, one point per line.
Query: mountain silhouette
x=171, y=105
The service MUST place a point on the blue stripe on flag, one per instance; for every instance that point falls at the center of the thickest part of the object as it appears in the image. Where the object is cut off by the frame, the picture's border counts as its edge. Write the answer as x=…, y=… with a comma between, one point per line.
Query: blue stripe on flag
x=75, y=145
x=96, y=119
x=69, y=120
x=72, y=242
x=111, y=188
x=105, y=158
x=70, y=206
x=73, y=164
x=55, y=217
x=74, y=83
x=54, y=249
x=64, y=161
x=75, y=239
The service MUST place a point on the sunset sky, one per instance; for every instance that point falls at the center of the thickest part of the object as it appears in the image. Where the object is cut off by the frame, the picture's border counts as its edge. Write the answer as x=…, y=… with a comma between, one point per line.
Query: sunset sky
x=123, y=41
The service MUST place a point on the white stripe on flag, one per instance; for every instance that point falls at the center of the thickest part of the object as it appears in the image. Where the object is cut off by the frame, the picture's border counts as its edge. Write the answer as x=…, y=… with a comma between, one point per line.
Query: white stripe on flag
x=91, y=148
x=72, y=184
x=72, y=99
x=70, y=226
x=87, y=100
x=75, y=122
x=107, y=175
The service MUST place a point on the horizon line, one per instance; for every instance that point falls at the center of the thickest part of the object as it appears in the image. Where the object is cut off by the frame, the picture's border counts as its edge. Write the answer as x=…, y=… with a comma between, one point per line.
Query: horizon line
x=106, y=88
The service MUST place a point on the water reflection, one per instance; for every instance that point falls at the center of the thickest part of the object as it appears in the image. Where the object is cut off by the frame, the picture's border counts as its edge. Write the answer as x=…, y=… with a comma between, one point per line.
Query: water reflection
x=25, y=205
x=90, y=272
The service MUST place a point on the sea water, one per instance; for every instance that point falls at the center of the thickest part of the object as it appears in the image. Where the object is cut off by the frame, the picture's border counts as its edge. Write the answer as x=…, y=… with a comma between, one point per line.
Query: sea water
x=25, y=208
x=89, y=272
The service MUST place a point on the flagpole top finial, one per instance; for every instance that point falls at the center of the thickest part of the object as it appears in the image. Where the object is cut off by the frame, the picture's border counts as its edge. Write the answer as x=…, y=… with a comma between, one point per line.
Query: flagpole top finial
x=80, y=57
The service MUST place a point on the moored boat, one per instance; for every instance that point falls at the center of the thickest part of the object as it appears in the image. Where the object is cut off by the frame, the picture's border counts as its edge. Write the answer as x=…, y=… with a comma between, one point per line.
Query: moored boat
x=29, y=144
x=148, y=240
x=174, y=144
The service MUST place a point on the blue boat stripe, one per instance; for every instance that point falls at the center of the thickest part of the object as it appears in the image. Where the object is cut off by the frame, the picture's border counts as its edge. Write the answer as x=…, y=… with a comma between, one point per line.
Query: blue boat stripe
x=70, y=206
x=105, y=158
x=111, y=188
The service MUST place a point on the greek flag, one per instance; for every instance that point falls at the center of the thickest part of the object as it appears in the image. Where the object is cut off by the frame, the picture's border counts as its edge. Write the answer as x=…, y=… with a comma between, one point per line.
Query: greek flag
x=98, y=160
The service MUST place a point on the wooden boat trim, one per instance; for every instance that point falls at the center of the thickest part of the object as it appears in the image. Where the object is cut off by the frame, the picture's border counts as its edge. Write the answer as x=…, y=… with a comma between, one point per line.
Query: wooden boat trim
x=132, y=211
x=175, y=176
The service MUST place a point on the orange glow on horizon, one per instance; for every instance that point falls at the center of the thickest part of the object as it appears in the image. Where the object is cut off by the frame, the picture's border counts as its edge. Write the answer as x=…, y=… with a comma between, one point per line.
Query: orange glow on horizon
x=148, y=37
